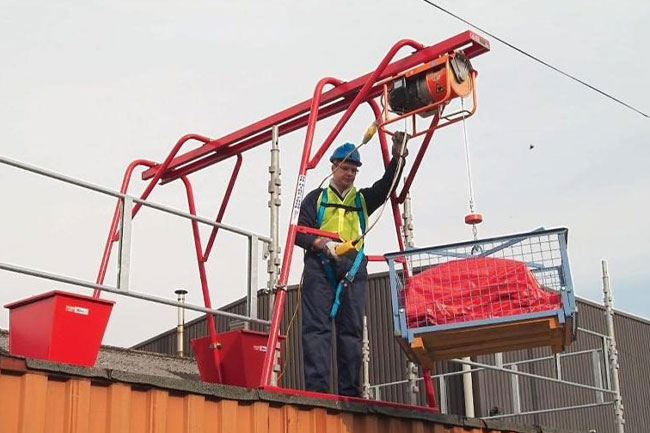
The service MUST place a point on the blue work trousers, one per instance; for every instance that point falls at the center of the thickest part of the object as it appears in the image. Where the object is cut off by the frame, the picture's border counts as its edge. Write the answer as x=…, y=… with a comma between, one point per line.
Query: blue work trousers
x=317, y=299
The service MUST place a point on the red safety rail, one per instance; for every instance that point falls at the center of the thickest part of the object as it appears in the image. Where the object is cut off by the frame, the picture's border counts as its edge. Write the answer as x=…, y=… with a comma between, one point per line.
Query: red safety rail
x=345, y=96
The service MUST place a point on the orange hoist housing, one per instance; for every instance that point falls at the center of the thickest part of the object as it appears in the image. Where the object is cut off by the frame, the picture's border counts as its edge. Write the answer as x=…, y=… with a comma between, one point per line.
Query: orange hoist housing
x=427, y=89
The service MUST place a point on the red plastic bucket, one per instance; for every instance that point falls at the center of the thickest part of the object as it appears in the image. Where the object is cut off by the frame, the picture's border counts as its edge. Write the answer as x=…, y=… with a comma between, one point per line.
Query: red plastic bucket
x=58, y=326
x=242, y=355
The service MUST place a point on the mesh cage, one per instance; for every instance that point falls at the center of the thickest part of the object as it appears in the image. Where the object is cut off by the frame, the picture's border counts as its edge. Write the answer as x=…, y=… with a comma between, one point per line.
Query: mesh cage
x=480, y=282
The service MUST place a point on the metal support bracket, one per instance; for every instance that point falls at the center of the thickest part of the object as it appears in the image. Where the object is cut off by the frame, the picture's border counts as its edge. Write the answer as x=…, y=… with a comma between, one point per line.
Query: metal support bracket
x=251, y=295
x=124, y=258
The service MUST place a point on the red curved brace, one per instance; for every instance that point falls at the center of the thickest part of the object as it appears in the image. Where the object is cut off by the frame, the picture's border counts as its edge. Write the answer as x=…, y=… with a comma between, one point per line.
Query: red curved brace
x=263, y=137
x=311, y=126
x=112, y=232
x=212, y=330
x=278, y=305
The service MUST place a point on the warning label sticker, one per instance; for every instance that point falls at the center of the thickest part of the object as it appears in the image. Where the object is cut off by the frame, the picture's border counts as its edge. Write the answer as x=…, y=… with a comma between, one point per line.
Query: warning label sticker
x=300, y=191
x=77, y=310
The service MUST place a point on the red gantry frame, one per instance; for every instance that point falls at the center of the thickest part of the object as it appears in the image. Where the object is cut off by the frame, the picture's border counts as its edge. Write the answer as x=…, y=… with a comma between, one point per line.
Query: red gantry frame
x=345, y=96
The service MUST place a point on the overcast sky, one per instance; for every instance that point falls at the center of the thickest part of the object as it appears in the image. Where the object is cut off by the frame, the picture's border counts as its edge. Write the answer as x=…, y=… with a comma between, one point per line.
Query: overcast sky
x=87, y=87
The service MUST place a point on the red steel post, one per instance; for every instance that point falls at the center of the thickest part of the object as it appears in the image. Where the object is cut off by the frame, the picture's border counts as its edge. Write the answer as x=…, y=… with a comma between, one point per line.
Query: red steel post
x=306, y=164
x=428, y=386
x=397, y=218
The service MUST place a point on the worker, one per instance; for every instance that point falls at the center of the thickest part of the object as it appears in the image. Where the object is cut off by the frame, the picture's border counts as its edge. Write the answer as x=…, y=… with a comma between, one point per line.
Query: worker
x=339, y=208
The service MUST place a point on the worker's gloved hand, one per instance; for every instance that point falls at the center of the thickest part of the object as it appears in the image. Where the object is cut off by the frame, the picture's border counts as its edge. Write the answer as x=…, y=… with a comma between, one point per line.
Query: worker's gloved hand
x=330, y=249
x=400, y=139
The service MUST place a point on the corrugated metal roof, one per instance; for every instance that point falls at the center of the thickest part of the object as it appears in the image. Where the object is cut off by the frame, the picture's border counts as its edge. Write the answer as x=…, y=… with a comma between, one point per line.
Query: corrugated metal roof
x=131, y=361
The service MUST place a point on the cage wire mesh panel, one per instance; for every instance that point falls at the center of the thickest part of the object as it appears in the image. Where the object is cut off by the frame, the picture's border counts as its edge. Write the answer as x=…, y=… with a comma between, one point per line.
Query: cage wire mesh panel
x=497, y=285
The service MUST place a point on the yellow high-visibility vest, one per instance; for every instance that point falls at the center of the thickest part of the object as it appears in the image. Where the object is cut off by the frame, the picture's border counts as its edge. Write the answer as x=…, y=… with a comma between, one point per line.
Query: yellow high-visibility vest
x=343, y=216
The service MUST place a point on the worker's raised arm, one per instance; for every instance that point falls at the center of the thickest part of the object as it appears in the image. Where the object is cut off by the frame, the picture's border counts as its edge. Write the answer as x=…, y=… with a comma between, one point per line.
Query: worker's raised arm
x=379, y=191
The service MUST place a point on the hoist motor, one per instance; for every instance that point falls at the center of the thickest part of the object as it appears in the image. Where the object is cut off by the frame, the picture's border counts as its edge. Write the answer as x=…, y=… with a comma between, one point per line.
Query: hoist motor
x=433, y=83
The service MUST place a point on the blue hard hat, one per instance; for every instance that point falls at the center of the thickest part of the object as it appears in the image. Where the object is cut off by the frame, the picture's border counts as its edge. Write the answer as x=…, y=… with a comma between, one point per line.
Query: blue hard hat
x=348, y=152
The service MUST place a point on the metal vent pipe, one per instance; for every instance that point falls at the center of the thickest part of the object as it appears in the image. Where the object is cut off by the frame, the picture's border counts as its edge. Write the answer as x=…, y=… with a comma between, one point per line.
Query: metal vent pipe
x=181, y=323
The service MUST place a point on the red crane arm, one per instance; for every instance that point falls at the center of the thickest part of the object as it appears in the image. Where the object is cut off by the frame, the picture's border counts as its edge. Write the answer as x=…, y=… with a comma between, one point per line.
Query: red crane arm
x=332, y=102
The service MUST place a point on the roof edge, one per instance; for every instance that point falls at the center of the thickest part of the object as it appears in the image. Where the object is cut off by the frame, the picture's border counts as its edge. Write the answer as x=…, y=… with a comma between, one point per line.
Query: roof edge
x=250, y=395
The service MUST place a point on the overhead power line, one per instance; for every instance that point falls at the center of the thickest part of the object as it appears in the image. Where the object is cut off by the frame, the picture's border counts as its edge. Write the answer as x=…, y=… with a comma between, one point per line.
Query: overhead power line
x=548, y=65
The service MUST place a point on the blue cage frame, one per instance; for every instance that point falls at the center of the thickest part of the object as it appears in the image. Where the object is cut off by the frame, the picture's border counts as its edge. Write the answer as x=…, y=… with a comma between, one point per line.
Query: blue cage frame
x=478, y=248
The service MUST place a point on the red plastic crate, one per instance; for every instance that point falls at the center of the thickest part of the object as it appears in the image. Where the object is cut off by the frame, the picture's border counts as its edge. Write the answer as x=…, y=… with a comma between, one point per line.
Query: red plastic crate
x=58, y=326
x=242, y=356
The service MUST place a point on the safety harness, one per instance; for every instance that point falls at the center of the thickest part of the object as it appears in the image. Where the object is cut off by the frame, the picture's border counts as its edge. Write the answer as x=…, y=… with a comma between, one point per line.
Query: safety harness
x=347, y=280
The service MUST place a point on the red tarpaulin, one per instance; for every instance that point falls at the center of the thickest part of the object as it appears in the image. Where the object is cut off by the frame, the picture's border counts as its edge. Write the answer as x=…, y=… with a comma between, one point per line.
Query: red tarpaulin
x=474, y=289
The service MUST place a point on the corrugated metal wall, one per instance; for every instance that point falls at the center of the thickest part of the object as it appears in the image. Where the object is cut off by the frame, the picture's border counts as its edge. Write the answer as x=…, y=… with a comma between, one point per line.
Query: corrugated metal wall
x=492, y=389
x=36, y=402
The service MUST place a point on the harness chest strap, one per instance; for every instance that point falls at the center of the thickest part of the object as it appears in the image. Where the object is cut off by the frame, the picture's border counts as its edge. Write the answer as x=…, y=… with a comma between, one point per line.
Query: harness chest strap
x=359, y=207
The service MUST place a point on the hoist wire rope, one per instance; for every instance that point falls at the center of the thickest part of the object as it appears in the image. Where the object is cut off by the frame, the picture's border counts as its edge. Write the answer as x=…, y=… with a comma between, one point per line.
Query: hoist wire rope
x=467, y=159
x=468, y=163
x=400, y=162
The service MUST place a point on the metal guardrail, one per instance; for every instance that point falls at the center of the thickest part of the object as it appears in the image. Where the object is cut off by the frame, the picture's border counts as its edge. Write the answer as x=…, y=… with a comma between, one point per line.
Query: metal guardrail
x=512, y=369
x=122, y=287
